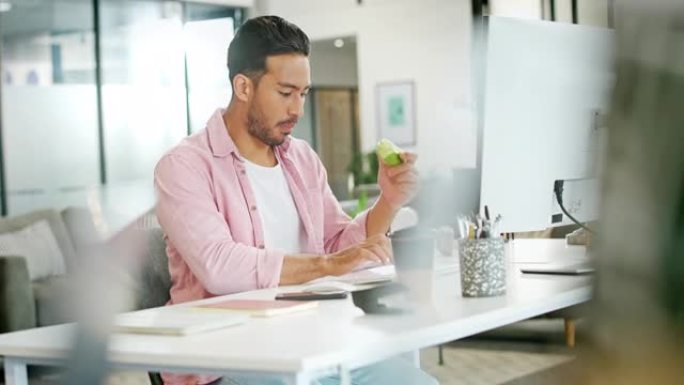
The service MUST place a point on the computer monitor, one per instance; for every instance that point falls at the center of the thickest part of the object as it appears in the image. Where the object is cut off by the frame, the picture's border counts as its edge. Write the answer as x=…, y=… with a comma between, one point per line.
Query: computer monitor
x=546, y=93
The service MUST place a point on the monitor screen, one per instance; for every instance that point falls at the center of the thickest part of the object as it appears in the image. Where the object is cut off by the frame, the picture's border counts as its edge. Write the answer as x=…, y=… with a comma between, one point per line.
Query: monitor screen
x=546, y=94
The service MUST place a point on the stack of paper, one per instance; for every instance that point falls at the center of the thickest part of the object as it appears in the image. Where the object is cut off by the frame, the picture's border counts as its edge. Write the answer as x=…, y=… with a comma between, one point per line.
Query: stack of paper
x=178, y=322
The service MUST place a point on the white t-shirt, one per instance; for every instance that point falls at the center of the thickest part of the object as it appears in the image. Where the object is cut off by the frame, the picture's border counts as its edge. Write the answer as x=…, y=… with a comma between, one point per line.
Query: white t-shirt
x=283, y=230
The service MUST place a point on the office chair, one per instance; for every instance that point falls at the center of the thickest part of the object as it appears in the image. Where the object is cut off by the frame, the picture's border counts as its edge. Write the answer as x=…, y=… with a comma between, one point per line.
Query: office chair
x=154, y=281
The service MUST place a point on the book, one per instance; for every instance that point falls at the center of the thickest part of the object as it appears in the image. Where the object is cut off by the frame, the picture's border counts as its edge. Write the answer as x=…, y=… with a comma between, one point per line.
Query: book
x=178, y=323
x=259, y=307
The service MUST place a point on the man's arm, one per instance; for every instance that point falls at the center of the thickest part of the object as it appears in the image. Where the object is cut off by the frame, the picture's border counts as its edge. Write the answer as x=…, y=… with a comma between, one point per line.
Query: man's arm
x=398, y=185
x=380, y=217
x=303, y=268
x=194, y=226
x=201, y=235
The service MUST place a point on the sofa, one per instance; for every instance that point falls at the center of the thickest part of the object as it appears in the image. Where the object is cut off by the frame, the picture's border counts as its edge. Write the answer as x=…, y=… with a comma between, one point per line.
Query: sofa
x=27, y=298
x=33, y=297
x=27, y=302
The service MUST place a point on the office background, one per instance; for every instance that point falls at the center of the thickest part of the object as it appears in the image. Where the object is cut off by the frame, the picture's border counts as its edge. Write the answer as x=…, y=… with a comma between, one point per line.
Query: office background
x=68, y=129
x=94, y=91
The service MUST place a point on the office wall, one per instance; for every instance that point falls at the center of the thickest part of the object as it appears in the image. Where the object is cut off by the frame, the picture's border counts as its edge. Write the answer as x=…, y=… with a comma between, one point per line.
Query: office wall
x=424, y=41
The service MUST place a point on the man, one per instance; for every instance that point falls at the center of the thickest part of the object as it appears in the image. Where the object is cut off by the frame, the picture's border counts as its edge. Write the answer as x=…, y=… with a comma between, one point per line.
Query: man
x=245, y=206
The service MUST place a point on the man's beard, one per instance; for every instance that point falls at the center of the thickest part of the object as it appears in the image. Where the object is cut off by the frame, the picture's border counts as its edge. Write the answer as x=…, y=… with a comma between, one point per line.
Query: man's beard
x=257, y=128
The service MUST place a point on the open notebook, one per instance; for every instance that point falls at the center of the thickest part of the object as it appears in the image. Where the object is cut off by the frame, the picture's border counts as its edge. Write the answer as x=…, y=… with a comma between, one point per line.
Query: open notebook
x=361, y=277
x=177, y=322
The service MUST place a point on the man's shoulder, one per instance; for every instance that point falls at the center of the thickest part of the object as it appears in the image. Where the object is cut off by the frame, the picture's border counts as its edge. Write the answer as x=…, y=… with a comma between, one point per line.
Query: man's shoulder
x=300, y=150
x=193, y=148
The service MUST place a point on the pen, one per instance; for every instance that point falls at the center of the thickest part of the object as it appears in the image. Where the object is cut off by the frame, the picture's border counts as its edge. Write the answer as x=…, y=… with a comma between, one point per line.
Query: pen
x=486, y=230
x=496, y=224
x=478, y=234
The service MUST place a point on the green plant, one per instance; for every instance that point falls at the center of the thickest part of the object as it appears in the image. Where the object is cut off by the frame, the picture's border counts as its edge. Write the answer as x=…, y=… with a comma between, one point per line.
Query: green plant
x=361, y=204
x=364, y=168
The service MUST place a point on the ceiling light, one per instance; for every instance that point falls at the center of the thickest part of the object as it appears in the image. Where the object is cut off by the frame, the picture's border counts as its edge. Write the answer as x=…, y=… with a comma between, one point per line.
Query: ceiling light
x=339, y=43
x=5, y=6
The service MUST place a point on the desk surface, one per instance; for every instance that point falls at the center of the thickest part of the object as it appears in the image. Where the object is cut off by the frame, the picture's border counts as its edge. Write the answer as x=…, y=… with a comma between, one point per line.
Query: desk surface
x=335, y=333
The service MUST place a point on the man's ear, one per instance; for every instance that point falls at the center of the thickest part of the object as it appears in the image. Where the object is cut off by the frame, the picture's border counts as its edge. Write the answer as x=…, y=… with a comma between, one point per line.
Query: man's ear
x=243, y=88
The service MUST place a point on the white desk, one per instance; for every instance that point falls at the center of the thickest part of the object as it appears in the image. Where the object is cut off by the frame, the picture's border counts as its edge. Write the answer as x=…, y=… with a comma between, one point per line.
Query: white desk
x=302, y=346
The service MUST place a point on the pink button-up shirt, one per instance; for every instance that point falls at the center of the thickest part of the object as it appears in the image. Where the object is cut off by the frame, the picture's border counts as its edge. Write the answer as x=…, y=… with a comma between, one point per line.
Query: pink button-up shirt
x=214, y=236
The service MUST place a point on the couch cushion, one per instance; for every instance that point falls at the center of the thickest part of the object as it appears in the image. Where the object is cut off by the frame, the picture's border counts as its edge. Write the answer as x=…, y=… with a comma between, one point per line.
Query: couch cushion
x=37, y=244
x=16, y=297
x=52, y=296
x=81, y=228
x=59, y=230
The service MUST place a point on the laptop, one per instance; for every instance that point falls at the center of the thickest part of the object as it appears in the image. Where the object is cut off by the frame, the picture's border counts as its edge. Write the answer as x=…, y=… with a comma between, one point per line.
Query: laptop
x=560, y=268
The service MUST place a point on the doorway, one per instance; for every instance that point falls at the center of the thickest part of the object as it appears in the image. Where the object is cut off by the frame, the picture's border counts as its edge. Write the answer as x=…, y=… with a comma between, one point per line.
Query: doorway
x=336, y=122
x=334, y=108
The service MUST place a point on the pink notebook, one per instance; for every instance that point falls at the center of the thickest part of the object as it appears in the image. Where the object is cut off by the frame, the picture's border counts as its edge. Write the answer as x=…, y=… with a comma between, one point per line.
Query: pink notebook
x=260, y=308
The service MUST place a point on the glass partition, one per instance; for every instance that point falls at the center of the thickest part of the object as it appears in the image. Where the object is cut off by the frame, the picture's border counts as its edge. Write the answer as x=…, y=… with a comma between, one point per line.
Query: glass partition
x=49, y=111
x=163, y=72
x=208, y=81
x=143, y=90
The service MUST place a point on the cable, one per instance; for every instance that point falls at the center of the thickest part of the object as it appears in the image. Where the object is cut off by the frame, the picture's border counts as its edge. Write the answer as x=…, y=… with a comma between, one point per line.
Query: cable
x=558, y=190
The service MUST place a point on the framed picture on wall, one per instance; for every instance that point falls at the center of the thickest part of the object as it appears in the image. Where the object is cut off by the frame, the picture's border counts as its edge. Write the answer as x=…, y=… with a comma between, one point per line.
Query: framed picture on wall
x=396, y=112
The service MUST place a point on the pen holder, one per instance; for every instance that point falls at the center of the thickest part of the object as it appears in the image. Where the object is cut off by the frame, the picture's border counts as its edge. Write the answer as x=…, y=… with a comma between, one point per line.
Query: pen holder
x=483, y=270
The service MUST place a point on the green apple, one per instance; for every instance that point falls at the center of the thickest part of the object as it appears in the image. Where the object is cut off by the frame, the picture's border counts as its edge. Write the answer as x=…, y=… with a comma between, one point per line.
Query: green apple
x=388, y=152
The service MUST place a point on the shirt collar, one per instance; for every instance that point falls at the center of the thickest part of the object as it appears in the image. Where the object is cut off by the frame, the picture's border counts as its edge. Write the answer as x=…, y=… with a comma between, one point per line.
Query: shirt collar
x=222, y=144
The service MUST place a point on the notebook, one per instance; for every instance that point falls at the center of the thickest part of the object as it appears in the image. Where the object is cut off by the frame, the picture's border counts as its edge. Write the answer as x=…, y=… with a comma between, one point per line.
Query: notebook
x=178, y=323
x=377, y=274
x=258, y=307
x=575, y=268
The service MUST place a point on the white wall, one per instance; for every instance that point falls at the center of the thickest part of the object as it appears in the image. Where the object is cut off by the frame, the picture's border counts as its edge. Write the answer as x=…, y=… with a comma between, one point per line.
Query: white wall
x=426, y=41
x=524, y=9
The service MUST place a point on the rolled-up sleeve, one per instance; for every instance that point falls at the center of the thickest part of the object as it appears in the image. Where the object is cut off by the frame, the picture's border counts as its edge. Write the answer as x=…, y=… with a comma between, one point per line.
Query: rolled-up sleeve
x=192, y=222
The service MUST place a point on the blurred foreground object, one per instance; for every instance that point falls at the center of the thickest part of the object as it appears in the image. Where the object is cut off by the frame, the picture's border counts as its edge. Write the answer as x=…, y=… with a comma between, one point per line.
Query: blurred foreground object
x=637, y=331
x=104, y=287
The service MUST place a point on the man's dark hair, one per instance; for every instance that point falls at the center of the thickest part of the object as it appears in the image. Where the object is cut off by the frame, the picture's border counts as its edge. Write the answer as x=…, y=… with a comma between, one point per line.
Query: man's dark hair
x=259, y=38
